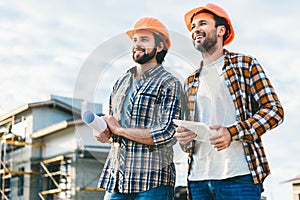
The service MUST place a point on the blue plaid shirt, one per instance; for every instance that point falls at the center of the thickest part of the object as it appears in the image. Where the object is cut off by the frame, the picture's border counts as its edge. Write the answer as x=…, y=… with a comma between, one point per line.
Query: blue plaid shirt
x=133, y=167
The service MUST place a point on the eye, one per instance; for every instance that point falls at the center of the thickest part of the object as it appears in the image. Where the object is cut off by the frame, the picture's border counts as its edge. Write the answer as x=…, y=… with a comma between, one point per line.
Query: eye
x=193, y=26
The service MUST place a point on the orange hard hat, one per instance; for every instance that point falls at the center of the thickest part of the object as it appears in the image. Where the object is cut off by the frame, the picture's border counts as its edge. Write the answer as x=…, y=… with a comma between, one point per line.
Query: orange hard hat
x=188, y=17
x=153, y=25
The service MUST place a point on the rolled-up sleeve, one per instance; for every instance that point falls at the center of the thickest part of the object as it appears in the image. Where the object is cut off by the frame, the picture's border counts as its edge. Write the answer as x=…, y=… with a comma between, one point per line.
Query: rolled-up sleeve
x=269, y=113
x=168, y=109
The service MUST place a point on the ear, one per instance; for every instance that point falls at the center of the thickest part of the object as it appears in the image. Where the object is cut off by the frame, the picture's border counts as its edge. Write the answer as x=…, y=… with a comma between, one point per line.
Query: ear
x=160, y=47
x=221, y=30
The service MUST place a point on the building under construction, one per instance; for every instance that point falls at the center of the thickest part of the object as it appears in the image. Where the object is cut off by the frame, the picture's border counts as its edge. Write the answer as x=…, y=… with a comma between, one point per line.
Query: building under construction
x=295, y=187
x=48, y=153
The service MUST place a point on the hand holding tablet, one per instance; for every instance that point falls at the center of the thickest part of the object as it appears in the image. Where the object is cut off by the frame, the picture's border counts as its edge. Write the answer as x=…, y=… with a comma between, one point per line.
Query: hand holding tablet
x=202, y=130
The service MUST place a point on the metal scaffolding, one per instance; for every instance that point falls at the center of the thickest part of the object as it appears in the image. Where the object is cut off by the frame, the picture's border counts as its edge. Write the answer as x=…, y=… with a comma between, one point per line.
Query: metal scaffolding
x=52, y=175
x=55, y=177
x=9, y=143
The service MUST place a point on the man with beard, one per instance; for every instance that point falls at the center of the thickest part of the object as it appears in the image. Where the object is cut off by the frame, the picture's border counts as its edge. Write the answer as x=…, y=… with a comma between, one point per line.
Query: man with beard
x=230, y=93
x=143, y=103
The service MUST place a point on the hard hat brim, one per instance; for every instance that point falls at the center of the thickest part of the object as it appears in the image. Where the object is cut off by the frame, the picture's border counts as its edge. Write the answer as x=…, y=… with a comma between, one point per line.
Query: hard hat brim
x=188, y=17
x=131, y=33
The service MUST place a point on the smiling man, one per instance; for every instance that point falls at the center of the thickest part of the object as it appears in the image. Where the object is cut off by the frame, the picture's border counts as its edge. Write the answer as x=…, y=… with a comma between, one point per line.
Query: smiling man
x=231, y=93
x=143, y=103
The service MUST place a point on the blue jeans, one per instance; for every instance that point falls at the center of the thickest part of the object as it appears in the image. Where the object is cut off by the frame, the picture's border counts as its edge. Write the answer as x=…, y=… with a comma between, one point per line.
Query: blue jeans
x=159, y=193
x=236, y=188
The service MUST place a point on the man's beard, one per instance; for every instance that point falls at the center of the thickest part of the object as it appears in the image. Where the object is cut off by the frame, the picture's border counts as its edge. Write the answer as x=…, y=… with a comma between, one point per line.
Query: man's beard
x=145, y=57
x=208, y=44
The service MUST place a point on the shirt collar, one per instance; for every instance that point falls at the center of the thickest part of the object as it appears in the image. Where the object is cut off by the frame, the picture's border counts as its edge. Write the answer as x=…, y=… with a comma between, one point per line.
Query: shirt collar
x=151, y=72
x=218, y=64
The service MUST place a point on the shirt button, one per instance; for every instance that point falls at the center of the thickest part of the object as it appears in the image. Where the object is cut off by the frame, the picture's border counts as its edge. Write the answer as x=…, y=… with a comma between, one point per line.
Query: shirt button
x=113, y=172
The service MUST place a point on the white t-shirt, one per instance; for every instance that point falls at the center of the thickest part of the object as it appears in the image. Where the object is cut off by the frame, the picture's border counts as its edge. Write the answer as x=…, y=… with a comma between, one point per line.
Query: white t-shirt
x=215, y=106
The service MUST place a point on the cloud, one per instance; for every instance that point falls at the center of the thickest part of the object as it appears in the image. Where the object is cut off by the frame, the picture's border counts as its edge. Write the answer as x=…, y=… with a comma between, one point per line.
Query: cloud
x=45, y=45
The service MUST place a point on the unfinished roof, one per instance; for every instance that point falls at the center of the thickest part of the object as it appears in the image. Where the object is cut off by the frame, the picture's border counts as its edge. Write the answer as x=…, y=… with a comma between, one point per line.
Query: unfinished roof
x=51, y=102
x=294, y=180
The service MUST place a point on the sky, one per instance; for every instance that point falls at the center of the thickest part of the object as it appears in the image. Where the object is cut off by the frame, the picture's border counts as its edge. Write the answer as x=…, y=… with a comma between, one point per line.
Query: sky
x=59, y=46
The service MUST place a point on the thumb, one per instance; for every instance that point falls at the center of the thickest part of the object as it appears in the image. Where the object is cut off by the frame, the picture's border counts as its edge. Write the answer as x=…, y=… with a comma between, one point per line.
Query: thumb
x=215, y=127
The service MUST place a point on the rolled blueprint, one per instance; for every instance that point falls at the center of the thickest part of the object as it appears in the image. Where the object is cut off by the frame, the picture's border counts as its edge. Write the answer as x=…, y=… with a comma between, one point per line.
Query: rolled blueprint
x=94, y=121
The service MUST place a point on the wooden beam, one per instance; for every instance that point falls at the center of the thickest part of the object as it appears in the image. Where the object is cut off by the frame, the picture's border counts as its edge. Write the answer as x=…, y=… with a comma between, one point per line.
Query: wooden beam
x=6, y=121
x=55, y=159
x=92, y=189
x=3, y=195
x=41, y=196
x=19, y=172
x=53, y=191
x=19, y=143
x=49, y=173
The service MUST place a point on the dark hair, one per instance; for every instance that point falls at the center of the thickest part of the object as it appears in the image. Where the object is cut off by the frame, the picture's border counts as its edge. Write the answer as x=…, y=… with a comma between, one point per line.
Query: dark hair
x=220, y=21
x=160, y=56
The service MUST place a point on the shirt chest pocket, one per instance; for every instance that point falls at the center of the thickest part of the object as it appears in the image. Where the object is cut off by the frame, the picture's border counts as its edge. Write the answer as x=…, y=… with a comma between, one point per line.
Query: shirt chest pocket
x=147, y=104
x=148, y=99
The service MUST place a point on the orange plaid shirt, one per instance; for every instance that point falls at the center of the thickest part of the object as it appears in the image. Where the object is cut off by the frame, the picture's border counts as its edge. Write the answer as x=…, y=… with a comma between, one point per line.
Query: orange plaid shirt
x=257, y=108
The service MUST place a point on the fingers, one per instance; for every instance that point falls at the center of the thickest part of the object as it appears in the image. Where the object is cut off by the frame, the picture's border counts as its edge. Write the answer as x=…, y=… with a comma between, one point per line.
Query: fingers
x=112, y=123
x=104, y=136
x=184, y=135
x=108, y=118
x=222, y=139
x=181, y=129
x=215, y=127
x=219, y=141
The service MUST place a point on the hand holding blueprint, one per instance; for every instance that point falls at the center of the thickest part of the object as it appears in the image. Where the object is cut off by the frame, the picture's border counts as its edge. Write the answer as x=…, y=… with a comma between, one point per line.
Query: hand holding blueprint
x=202, y=130
x=93, y=121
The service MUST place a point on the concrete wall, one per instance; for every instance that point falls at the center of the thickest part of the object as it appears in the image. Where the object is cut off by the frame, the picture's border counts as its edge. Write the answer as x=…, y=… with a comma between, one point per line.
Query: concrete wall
x=87, y=175
x=58, y=143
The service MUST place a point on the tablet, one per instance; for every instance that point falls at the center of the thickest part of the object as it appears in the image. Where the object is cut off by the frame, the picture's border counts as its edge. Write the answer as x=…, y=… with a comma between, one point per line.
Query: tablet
x=202, y=130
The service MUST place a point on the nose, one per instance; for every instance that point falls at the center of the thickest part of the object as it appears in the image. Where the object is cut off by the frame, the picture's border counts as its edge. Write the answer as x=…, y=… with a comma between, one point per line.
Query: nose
x=136, y=42
x=196, y=28
x=195, y=32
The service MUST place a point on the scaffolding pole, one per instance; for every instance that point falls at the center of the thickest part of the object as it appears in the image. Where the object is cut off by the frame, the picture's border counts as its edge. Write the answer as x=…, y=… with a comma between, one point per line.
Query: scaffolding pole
x=6, y=166
x=45, y=165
